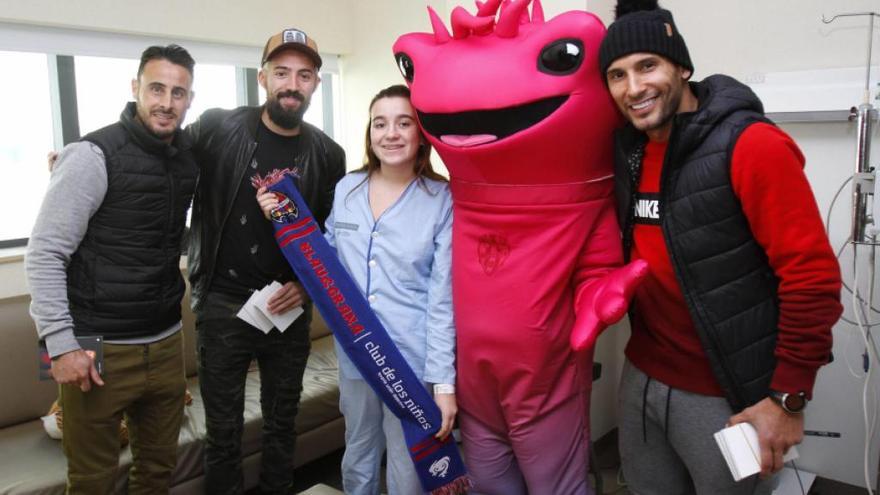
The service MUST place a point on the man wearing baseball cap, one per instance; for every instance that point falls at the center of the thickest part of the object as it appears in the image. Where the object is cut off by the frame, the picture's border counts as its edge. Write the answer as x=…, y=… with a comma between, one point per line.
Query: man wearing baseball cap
x=233, y=253
x=734, y=319
x=292, y=39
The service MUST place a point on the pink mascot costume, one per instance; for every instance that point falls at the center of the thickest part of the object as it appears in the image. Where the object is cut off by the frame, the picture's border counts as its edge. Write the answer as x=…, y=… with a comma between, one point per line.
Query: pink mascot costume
x=517, y=109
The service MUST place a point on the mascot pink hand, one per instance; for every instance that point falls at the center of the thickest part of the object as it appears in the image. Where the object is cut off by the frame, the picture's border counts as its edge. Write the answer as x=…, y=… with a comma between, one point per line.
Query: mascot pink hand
x=604, y=302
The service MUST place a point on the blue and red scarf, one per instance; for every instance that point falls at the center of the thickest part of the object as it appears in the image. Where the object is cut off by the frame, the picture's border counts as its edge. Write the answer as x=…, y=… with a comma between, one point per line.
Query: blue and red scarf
x=366, y=342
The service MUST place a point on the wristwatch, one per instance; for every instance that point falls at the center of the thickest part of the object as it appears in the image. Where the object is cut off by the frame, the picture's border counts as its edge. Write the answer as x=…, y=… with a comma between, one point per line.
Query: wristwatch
x=791, y=403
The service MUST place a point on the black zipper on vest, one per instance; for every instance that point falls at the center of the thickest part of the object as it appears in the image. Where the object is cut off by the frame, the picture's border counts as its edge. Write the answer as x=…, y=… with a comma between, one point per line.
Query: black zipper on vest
x=172, y=191
x=172, y=214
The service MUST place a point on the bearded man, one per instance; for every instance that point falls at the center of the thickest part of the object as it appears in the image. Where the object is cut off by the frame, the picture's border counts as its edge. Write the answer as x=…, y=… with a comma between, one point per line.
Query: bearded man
x=233, y=253
x=734, y=319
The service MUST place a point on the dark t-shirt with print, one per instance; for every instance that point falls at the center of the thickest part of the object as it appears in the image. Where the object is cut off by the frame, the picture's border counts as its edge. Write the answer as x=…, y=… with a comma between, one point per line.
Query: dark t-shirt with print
x=249, y=257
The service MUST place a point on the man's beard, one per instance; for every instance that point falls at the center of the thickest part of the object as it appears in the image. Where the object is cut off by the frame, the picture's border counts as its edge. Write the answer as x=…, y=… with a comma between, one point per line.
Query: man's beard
x=284, y=117
x=157, y=132
x=162, y=134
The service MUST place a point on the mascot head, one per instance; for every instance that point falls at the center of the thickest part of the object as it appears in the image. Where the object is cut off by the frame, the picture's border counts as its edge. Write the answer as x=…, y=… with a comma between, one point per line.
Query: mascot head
x=509, y=97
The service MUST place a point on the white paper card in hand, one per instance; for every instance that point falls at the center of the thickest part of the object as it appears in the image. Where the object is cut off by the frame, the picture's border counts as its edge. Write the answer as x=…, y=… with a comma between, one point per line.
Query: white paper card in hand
x=254, y=317
x=261, y=302
x=740, y=448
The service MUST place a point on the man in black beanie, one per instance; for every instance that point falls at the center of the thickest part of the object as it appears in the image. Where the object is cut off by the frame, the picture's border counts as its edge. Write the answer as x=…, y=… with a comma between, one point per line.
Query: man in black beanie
x=734, y=319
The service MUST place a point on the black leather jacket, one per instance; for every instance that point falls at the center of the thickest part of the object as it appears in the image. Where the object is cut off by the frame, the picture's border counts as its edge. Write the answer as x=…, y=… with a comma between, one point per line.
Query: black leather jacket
x=224, y=144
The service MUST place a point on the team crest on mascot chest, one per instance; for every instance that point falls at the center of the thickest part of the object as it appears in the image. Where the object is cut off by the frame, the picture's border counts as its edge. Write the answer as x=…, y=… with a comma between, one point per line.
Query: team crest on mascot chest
x=492, y=251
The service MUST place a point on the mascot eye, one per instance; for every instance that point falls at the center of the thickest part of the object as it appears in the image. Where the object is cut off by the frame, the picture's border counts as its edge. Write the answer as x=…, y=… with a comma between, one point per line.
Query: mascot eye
x=561, y=57
x=405, y=64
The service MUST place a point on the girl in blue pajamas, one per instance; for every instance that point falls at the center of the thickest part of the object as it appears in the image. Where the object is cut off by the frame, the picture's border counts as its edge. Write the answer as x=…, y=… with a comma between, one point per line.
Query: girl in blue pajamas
x=391, y=225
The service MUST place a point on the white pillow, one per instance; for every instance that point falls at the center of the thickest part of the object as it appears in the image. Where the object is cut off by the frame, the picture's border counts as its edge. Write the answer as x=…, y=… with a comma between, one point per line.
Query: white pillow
x=50, y=424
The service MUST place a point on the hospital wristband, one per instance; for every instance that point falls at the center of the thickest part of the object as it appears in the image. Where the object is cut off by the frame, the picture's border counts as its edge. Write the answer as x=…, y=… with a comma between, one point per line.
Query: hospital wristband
x=444, y=388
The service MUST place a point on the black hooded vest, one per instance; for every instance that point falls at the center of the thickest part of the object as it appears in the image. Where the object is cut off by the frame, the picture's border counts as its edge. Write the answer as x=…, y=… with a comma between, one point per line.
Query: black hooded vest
x=728, y=285
x=124, y=279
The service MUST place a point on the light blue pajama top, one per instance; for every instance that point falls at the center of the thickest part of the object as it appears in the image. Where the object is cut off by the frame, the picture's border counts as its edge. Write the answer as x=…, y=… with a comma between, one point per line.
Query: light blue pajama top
x=402, y=262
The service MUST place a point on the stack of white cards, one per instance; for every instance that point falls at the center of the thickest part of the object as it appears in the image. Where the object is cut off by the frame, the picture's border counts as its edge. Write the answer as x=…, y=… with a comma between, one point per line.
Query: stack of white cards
x=740, y=448
x=255, y=311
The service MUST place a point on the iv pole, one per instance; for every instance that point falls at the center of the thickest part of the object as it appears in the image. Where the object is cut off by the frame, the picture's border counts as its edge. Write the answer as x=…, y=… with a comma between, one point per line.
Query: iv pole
x=863, y=185
x=864, y=115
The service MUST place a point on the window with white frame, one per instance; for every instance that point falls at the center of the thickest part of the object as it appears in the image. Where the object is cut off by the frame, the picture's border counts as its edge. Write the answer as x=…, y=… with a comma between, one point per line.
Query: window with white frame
x=66, y=95
x=25, y=138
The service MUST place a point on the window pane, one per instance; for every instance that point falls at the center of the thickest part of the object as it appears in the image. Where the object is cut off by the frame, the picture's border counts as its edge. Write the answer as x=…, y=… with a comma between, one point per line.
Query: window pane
x=103, y=87
x=315, y=114
x=214, y=87
x=25, y=138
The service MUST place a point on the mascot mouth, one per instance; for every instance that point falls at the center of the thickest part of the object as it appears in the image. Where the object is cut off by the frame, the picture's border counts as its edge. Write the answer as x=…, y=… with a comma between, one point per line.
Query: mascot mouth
x=476, y=127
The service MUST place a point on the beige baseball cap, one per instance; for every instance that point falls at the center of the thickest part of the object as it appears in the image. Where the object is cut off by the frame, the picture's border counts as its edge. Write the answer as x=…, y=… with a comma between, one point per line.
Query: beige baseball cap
x=293, y=39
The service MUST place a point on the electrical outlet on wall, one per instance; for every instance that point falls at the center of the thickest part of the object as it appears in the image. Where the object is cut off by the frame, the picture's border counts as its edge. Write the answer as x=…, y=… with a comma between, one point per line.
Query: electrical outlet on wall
x=755, y=78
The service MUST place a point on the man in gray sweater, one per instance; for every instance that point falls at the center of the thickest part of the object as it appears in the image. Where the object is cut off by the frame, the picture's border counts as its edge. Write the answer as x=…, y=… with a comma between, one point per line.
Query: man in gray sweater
x=103, y=264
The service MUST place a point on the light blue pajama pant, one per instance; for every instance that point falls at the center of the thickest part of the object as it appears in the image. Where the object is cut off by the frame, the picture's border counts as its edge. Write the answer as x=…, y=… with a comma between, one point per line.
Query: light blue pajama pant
x=370, y=429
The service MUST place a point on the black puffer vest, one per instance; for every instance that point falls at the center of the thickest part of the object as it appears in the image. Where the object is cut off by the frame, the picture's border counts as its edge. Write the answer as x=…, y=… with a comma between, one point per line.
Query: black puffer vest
x=124, y=280
x=728, y=284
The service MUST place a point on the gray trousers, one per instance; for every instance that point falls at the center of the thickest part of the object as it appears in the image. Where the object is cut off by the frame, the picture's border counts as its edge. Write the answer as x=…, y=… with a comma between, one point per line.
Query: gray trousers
x=666, y=441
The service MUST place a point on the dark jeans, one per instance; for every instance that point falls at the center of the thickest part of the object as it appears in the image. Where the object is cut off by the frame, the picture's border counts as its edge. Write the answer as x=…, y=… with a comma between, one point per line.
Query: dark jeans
x=227, y=345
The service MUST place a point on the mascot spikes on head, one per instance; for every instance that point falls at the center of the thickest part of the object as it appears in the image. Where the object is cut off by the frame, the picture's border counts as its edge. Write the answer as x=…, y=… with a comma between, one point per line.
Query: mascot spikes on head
x=517, y=109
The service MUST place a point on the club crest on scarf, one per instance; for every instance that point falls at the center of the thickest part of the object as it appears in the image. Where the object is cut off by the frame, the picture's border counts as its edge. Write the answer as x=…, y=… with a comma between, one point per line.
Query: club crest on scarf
x=439, y=467
x=286, y=210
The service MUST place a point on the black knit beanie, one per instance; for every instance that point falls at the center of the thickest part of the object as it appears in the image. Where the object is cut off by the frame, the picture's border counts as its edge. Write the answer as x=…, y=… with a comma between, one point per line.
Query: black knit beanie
x=642, y=26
